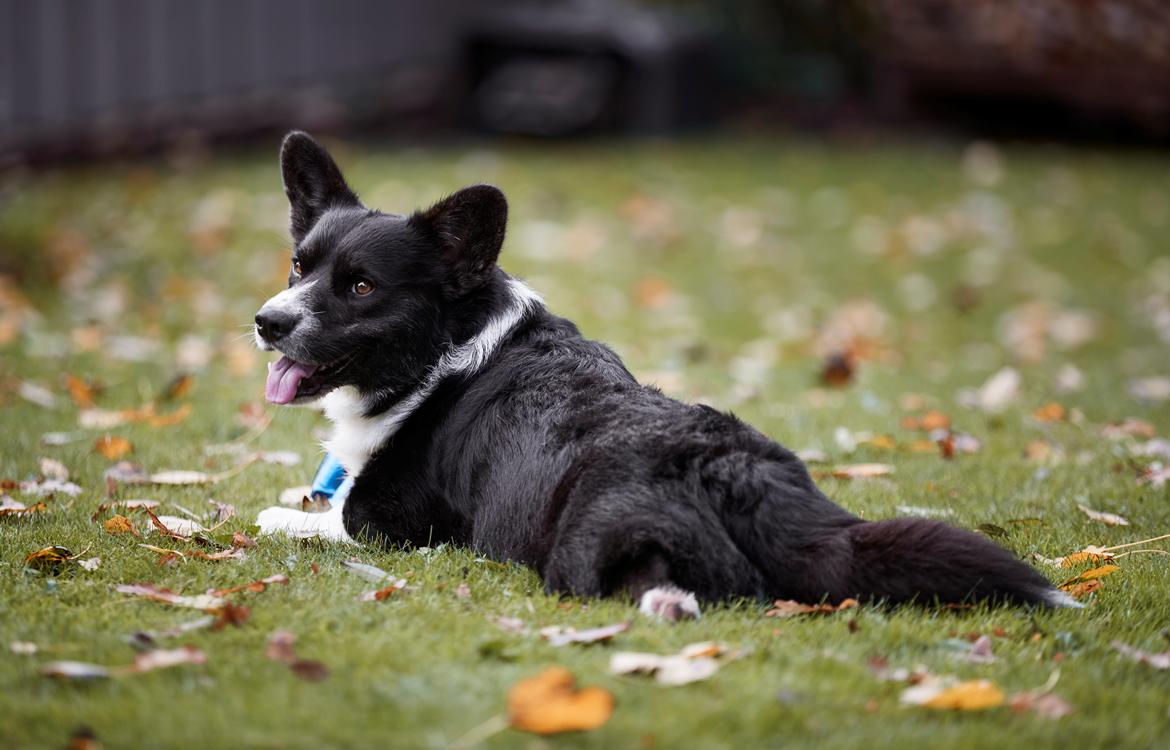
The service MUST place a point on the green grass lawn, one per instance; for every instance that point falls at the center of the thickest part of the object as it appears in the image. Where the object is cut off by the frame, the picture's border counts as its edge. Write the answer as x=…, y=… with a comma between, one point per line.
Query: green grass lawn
x=725, y=272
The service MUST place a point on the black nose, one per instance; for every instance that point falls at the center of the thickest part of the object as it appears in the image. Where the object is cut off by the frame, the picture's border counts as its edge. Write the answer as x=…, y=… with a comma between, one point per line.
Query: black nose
x=273, y=325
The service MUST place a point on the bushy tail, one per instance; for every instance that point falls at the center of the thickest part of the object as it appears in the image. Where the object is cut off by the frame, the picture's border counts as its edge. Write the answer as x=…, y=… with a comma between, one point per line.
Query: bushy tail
x=908, y=559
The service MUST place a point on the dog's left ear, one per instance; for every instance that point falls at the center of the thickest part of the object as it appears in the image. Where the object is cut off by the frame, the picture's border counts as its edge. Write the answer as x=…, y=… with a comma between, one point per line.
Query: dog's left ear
x=469, y=227
x=312, y=182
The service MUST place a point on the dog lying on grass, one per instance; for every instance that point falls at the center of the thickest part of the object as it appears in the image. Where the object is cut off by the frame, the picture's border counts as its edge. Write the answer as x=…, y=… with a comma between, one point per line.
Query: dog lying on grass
x=468, y=413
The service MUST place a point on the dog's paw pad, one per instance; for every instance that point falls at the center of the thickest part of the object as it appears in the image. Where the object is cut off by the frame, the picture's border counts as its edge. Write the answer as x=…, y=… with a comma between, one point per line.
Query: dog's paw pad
x=670, y=604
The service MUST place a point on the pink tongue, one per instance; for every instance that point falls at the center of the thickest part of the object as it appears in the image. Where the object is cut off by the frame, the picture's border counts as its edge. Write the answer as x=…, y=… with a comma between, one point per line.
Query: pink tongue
x=284, y=376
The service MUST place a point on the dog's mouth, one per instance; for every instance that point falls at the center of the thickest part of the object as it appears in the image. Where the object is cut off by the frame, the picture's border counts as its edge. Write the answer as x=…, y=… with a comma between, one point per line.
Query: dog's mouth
x=289, y=380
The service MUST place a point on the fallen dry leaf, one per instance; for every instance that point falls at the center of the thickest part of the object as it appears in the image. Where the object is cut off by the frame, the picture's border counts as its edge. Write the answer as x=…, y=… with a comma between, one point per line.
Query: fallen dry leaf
x=281, y=649
x=1050, y=412
x=790, y=608
x=51, y=468
x=1129, y=427
x=861, y=471
x=165, y=658
x=838, y=369
x=384, y=593
x=973, y=695
x=1152, y=389
x=179, y=386
x=168, y=420
x=120, y=525
x=1109, y=519
x=207, y=602
x=1091, y=575
x=562, y=636
x=82, y=392
x=253, y=586
x=1083, y=589
x=928, y=422
x=1046, y=705
x=10, y=507
x=113, y=447
x=550, y=703
x=1157, y=661
x=1000, y=391
x=50, y=558
x=694, y=662
x=75, y=670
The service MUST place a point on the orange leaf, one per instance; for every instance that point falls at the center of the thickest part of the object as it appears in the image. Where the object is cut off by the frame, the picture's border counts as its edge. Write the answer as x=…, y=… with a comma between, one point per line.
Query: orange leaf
x=790, y=608
x=120, y=525
x=80, y=391
x=861, y=471
x=1050, y=412
x=175, y=417
x=931, y=420
x=974, y=695
x=549, y=703
x=1084, y=556
x=179, y=387
x=1084, y=588
x=1091, y=575
x=113, y=447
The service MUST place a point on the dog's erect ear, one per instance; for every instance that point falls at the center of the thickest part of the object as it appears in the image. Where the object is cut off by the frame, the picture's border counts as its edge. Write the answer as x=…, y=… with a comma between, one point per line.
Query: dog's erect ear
x=469, y=227
x=312, y=182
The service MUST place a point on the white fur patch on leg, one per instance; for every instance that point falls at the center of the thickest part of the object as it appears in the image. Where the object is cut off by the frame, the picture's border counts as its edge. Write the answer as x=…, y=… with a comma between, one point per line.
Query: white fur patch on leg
x=1057, y=598
x=669, y=603
x=300, y=525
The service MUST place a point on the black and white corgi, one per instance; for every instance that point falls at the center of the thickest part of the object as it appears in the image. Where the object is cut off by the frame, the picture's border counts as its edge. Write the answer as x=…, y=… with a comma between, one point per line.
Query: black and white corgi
x=468, y=413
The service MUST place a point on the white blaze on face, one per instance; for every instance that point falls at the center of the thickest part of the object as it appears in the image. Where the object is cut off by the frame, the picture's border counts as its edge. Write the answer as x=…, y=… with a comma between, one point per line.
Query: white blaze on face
x=293, y=301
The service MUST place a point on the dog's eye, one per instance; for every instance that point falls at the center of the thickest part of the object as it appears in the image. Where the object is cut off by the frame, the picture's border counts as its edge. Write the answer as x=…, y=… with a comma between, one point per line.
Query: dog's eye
x=297, y=268
x=362, y=287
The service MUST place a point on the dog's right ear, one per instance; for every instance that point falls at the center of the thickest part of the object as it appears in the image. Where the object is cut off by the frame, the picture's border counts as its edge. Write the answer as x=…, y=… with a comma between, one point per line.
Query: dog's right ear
x=312, y=182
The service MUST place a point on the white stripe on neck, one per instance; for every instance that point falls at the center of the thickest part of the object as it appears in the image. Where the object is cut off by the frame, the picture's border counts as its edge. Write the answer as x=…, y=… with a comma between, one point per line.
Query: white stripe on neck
x=355, y=437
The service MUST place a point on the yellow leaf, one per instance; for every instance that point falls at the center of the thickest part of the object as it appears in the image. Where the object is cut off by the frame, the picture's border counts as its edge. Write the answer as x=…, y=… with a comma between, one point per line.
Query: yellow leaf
x=113, y=447
x=80, y=391
x=119, y=525
x=1091, y=575
x=549, y=703
x=1084, y=556
x=974, y=695
x=175, y=417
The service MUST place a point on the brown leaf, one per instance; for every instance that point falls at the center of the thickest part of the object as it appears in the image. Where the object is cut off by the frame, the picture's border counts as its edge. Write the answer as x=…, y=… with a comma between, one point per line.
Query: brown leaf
x=49, y=558
x=550, y=703
x=242, y=540
x=281, y=649
x=1091, y=575
x=113, y=447
x=1083, y=589
x=120, y=525
x=1129, y=427
x=254, y=586
x=838, y=369
x=384, y=593
x=10, y=507
x=165, y=658
x=179, y=386
x=790, y=608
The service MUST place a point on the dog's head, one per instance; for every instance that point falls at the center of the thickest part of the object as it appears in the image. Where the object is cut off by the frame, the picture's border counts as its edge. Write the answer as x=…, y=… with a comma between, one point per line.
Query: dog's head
x=373, y=298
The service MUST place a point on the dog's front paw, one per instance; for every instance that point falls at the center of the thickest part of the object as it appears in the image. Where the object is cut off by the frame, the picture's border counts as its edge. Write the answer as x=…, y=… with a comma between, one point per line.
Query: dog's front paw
x=295, y=523
x=669, y=603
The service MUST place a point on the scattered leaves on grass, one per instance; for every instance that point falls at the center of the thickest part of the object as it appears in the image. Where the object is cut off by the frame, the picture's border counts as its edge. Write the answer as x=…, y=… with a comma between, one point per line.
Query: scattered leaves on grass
x=695, y=662
x=1157, y=661
x=384, y=593
x=48, y=487
x=557, y=635
x=928, y=422
x=120, y=525
x=167, y=555
x=790, y=608
x=50, y=559
x=281, y=649
x=1109, y=519
x=10, y=507
x=973, y=695
x=1045, y=705
x=209, y=602
x=551, y=703
x=1127, y=428
x=128, y=505
x=253, y=586
x=113, y=447
x=147, y=661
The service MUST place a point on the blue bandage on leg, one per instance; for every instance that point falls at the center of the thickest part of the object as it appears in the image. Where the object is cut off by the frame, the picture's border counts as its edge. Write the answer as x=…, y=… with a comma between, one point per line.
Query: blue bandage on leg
x=330, y=478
